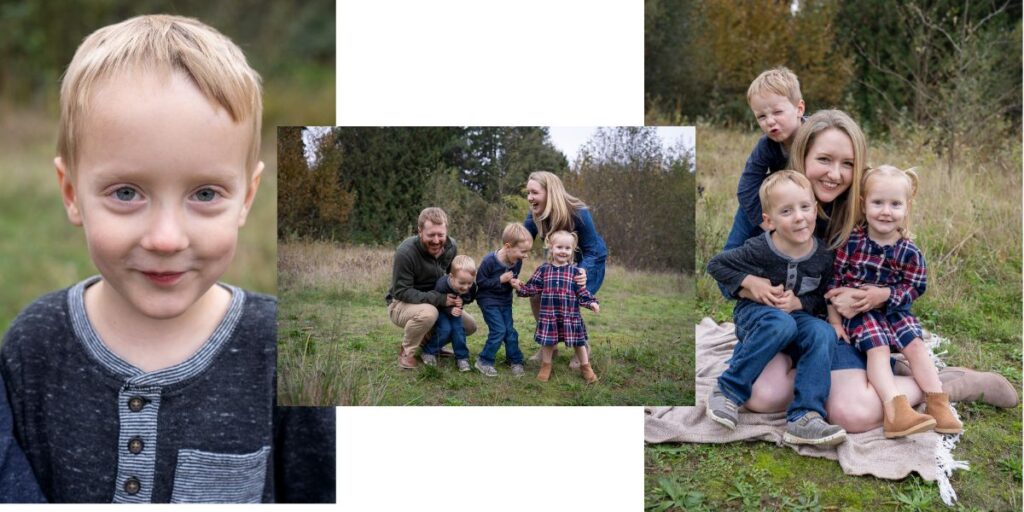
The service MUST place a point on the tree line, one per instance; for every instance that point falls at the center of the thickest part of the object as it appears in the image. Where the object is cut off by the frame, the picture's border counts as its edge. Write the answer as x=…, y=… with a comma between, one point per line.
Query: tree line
x=949, y=66
x=367, y=185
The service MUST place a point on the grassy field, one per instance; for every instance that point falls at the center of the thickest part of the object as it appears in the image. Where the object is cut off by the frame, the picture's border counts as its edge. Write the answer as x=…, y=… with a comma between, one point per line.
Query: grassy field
x=968, y=225
x=41, y=252
x=336, y=344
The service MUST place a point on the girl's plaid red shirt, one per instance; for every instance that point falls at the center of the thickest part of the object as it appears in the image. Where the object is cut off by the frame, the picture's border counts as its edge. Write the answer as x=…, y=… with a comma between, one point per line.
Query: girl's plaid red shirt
x=900, y=266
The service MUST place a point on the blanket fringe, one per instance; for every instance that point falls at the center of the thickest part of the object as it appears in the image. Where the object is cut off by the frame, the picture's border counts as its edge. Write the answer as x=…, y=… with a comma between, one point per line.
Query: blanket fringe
x=944, y=447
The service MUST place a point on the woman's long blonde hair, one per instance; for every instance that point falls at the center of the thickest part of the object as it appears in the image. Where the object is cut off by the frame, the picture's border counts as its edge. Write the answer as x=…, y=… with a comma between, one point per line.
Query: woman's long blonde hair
x=845, y=212
x=559, y=207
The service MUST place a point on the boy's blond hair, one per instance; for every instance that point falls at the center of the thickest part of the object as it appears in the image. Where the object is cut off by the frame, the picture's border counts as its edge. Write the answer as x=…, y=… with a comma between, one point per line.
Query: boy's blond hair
x=779, y=81
x=910, y=175
x=515, y=233
x=163, y=44
x=775, y=179
x=434, y=214
x=463, y=263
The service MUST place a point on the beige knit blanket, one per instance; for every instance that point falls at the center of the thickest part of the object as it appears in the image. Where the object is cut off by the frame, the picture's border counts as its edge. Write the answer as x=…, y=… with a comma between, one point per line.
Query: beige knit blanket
x=867, y=453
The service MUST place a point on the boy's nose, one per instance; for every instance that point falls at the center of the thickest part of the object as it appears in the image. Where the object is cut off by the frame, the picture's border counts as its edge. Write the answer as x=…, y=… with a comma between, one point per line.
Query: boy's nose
x=166, y=232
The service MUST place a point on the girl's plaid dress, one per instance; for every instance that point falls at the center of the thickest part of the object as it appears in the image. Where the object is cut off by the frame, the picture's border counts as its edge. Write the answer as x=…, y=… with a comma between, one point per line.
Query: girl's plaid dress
x=560, y=301
x=900, y=267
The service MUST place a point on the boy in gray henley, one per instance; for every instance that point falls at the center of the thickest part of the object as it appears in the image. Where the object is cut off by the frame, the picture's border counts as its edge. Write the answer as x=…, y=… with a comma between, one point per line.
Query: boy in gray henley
x=787, y=318
x=153, y=382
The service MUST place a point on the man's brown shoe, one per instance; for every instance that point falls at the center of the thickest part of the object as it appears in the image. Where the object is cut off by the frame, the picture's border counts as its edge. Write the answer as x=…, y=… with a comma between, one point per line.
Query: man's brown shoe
x=406, y=361
x=905, y=420
x=967, y=385
x=937, y=406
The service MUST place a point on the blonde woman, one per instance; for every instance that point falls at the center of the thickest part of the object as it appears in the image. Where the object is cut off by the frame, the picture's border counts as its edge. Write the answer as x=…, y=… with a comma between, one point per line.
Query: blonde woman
x=553, y=209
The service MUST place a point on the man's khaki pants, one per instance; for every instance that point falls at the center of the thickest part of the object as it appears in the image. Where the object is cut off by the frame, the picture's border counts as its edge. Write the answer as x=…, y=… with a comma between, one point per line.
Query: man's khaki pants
x=418, y=320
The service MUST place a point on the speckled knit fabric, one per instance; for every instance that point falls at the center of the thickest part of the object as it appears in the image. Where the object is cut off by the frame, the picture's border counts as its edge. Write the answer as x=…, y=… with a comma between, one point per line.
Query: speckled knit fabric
x=97, y=429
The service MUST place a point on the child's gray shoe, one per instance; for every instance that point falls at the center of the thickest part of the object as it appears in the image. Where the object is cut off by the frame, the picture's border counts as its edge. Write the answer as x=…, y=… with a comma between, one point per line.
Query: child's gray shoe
x=463, y=365
x=812, y=429
x=486, y=369
x=429, y=359
x=721, y=410
x=518, y=370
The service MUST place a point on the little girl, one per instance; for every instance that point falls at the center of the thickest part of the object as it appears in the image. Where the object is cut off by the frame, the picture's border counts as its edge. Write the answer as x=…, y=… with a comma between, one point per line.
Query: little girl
x=882, y=254
x=560, y=301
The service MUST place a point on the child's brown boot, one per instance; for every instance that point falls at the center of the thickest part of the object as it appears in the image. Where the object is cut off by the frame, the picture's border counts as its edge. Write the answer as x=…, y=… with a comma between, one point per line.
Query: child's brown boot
x=545, y=372
x=905, y=420
x=588, y=373
x=937, y=406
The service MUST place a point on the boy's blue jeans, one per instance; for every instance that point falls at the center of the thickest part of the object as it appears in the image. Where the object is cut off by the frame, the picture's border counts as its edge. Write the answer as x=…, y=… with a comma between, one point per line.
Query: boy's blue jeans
x=764, y=331
x=447, y=328
x=500, y=329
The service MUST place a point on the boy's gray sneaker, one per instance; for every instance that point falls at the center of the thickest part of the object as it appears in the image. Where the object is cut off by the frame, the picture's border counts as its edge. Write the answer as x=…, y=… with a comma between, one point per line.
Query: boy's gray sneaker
x=486, y=369
x=429, y=359
x=812, y=429
x=463, y=365
x=721, y=410
x=518, y=370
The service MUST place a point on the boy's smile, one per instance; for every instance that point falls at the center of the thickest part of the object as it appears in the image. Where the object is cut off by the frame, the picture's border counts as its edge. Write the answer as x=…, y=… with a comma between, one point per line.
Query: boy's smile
x=518, y=252
x=161, y=190
x=461, y=281
x=791, y=217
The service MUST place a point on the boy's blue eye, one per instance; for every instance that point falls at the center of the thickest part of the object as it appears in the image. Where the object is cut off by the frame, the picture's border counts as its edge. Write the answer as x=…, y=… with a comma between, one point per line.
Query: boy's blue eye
x=125, y=194
x=206, y=195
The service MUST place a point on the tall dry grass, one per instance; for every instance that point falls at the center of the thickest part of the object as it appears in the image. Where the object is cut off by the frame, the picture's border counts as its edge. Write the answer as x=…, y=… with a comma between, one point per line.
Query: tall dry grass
x=967, y=222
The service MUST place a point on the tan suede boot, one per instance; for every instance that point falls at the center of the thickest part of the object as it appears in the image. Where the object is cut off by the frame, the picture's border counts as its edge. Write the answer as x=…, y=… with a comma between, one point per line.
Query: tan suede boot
x=905, y=420
x=966, y=385
x=937, y=406
x=588, y=373
x=545, y=372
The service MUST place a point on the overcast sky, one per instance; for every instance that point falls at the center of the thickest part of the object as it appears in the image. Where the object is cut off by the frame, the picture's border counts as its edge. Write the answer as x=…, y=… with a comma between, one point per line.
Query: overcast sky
x=569, y=139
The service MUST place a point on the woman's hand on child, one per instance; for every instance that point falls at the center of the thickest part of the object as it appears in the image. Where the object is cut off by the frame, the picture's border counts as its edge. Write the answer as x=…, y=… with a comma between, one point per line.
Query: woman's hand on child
x=581, y=278
x=507, y=277
x=516, y=283
x=850, y=302
x=452, y=300
x=595, y=307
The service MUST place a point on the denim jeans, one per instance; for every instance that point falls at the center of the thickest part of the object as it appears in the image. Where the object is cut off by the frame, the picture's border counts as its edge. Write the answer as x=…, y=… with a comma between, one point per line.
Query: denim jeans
x=447, y=328
x=500, y=329
x=741, y=231
x=764, y=331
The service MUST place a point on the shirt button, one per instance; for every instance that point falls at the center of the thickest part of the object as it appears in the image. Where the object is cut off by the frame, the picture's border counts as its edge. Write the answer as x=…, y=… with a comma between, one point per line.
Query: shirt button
x=132, y=485
x=136, y=403
x=135, y=445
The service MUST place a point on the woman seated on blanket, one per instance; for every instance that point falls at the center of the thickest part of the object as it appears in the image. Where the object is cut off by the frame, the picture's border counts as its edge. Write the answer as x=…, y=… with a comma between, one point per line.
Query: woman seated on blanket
x=831, y=151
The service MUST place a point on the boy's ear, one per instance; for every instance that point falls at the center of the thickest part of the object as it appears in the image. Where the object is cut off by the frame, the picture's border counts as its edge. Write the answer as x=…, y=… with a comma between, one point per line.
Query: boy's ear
x=67, y=192
x=766, y=220
x=250, y=194
x=800, y=108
